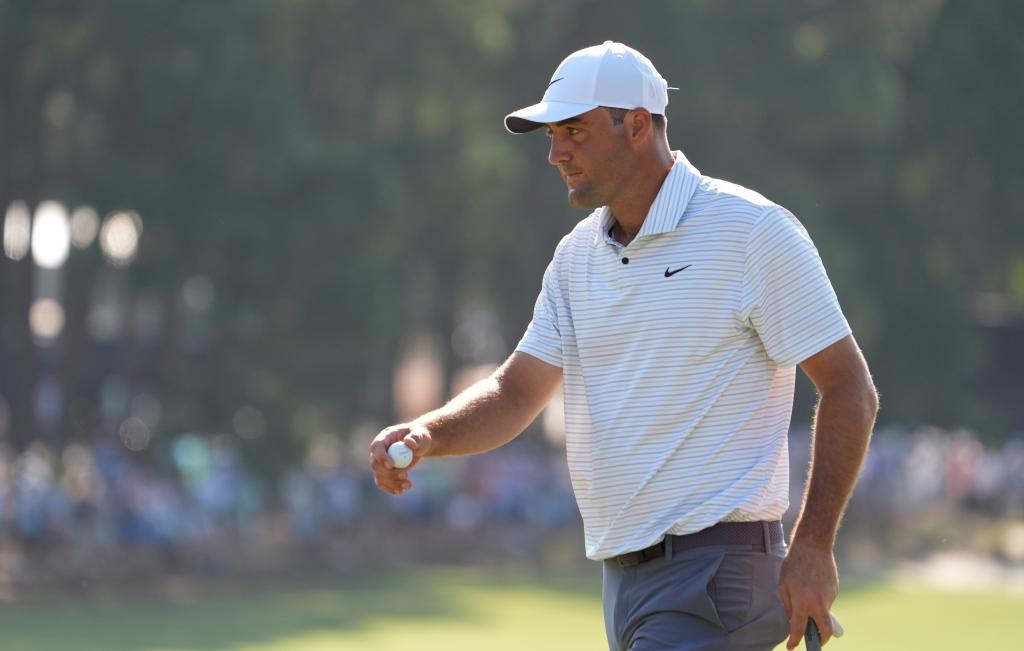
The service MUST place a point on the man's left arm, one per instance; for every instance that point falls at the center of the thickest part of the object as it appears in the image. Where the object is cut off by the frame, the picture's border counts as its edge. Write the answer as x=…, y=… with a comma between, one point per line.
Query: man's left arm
x=844, y=418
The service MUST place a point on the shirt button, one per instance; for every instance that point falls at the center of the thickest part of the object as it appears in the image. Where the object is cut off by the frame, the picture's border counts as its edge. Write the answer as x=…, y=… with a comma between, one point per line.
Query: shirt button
x=625, y=260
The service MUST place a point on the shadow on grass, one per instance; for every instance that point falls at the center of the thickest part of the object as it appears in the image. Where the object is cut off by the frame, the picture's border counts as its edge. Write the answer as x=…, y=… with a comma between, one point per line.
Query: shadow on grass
x=217, y=622
x=268, y=615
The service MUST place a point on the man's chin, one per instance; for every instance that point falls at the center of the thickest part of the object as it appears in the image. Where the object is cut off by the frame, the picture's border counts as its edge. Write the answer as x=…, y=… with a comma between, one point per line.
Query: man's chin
x=580, y=198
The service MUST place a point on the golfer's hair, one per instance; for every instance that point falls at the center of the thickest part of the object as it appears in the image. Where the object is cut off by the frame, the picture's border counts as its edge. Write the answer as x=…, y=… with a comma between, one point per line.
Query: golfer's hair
x=619, y=116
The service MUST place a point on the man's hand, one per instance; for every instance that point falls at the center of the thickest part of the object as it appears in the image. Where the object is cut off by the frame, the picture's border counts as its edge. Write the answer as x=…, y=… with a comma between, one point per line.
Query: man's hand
x=808, y=585
x=485, y=416
x=389, y=479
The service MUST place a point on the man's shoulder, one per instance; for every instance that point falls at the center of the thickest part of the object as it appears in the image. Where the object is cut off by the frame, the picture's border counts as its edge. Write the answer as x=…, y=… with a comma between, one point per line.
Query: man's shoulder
x=716, y=195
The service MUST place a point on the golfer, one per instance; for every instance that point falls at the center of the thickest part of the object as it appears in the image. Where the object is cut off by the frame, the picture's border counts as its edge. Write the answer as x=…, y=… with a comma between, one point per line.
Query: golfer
x=674, y=316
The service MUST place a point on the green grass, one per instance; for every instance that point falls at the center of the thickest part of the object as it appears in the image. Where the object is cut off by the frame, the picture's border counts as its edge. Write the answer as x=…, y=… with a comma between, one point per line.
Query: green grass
x=454, y=609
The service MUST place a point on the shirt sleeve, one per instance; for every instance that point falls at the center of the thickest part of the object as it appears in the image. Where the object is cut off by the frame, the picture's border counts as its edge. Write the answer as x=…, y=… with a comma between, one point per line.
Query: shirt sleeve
x=787, y=297
x=542, y=338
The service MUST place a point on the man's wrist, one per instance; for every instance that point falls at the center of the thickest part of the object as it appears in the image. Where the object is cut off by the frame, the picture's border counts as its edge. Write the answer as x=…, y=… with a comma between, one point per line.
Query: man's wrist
x=806, y=537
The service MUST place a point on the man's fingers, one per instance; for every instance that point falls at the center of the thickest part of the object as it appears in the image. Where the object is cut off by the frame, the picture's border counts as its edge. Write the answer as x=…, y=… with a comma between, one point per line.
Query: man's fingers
x=379, y=454
x=391, y=484
x=388, y=478
x=788, y=603
x=380, y=445
x=797, y=624
x=391, y=480
x=384, y=486
x=392, y=476
x=784, y=594
x=824, y=622
x=418, y=442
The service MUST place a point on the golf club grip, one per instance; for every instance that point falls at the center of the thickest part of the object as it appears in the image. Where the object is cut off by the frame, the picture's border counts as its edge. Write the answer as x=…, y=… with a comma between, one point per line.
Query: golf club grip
x=812, y=639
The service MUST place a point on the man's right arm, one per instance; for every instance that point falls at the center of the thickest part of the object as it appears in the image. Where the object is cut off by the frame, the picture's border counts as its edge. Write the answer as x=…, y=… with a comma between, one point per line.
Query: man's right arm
x=485, y=416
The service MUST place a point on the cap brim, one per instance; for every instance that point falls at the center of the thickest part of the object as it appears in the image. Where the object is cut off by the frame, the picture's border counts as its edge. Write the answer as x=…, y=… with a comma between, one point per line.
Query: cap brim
x=533, y=117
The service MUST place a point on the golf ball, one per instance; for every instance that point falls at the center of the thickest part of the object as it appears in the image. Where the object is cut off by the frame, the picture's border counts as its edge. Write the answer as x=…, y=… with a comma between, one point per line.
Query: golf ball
x=401, y=454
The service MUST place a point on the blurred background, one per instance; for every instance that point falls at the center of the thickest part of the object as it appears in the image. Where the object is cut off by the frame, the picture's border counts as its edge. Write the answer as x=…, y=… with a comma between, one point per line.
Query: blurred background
x=241, y=237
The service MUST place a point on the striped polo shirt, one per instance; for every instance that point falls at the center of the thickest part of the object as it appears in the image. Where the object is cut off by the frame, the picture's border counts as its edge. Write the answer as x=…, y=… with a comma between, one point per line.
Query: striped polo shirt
x=678, y=355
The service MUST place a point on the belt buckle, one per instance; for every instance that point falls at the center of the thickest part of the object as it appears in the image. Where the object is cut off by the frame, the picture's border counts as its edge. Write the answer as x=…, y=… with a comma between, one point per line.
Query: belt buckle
x=628, y=560
x=632, y=559
x=656, y=550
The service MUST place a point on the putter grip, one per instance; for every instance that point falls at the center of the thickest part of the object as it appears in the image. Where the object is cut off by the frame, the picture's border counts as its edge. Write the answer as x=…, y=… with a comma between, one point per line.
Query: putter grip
x=812, y=639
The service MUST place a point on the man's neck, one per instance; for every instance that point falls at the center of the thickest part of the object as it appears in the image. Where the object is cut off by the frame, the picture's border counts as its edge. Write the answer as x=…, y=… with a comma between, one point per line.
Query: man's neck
x=631, y=210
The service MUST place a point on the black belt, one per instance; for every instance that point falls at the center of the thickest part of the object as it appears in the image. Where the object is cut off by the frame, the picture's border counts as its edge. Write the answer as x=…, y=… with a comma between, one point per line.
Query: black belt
x=756, y=534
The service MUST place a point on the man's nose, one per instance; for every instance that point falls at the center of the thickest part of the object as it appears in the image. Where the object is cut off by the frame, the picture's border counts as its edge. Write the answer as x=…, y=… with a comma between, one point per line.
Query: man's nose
x=558, y=153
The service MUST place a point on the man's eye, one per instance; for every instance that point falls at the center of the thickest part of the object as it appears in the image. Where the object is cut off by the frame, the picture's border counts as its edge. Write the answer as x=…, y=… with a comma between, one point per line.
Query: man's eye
x=573, y=131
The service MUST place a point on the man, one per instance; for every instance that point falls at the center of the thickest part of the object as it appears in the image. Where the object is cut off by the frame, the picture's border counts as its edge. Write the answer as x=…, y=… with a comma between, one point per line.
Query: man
x=675, y=315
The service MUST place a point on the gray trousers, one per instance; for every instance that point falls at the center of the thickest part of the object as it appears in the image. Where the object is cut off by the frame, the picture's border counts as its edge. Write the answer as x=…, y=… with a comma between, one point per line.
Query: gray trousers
x=718, y=598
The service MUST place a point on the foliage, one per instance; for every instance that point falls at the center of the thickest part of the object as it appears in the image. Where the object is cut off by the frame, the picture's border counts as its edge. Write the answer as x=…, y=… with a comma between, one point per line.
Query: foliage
x=338, y=172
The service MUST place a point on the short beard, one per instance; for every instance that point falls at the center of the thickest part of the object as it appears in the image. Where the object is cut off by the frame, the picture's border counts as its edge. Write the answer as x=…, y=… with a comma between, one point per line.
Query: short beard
x=585, y=197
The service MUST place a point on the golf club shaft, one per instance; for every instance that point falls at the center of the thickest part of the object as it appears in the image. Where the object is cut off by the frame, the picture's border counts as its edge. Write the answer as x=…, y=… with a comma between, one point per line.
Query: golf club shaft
x=812, y=639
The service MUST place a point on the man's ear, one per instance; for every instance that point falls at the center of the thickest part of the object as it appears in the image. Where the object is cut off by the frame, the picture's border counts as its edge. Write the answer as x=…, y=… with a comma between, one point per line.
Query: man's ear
x=640, y=125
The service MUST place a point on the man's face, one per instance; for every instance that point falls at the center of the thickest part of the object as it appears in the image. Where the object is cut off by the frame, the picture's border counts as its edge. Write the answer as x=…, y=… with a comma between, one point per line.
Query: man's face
x=593, y=156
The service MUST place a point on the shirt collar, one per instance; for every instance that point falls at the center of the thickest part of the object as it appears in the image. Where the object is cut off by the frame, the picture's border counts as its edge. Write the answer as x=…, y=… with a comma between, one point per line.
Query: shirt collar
x=667, y=210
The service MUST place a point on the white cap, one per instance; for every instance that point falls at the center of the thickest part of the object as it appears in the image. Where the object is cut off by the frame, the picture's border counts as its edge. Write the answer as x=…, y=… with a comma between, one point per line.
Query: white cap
x=610, y=74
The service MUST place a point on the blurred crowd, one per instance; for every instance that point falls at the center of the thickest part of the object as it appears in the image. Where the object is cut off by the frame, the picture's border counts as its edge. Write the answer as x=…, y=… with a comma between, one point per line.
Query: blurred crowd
x=200, y=506
x=204, y=498
x=932, y=467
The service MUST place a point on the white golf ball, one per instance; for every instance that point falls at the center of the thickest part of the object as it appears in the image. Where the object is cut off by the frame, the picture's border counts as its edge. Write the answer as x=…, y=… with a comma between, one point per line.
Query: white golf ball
x=401, y=454
x=837, y=627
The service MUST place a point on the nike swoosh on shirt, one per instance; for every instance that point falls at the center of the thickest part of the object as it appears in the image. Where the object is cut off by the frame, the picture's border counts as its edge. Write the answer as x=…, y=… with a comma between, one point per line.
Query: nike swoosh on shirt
x=669, y=274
